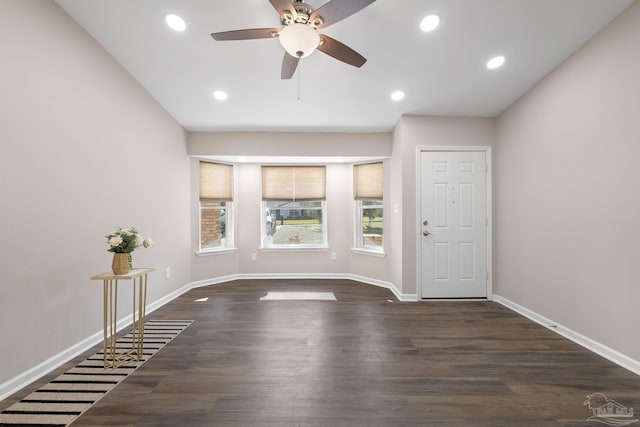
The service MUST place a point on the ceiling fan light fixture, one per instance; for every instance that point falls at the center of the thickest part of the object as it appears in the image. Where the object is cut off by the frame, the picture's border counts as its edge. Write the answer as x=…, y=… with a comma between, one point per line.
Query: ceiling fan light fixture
x=299, y=40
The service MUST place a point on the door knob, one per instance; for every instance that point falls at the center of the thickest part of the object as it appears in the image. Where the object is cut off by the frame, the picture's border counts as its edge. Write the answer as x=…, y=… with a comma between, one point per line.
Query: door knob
x=426, y=233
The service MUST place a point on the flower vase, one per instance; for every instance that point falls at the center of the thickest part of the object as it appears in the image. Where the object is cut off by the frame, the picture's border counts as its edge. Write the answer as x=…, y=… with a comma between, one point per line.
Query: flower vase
x=120, y=264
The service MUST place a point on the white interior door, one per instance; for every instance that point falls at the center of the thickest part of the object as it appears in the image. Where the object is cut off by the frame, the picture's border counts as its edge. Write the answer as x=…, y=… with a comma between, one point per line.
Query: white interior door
x=454, y=224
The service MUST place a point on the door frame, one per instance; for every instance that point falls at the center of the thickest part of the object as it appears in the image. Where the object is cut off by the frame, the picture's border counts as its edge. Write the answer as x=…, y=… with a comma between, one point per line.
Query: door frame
x=489, y=207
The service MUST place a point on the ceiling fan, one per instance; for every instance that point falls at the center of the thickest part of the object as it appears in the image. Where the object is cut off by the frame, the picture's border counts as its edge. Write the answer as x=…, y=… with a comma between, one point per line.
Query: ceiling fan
x=299, y=33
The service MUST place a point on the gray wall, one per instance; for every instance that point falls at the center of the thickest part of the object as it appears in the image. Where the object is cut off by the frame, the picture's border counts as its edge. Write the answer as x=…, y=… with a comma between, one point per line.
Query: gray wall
x=314, y=144
x=568, y=191
x=83, y=149
x=412, y=132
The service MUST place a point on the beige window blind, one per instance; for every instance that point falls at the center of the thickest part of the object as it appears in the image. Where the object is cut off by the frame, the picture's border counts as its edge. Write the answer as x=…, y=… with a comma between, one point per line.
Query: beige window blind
x=294, y=183
x=216, y=181
x=368, y=181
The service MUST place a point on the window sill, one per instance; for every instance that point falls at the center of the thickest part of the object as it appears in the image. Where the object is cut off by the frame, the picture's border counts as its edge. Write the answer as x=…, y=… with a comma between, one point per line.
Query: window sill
x=295, y=249
x=211, y=252
x=364, y=251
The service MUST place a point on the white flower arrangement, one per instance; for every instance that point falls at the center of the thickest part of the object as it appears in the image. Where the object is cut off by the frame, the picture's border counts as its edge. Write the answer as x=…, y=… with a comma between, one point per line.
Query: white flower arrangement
x=125, y=240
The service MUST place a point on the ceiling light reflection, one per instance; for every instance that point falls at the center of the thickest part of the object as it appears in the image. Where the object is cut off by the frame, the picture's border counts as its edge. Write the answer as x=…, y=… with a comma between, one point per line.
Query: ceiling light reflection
x=175, y=22
x=496, y=62
x=429, y=23
x=397, y=95
x=220, y=95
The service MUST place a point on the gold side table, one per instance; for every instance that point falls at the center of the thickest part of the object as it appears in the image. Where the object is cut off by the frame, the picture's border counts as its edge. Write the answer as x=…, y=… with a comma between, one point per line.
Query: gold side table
x=113, y=358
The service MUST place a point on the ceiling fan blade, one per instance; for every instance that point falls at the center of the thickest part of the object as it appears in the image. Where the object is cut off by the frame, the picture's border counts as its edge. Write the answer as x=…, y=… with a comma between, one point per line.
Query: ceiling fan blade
x=284, y=6
x=337, y=10
x=341, y=51
x=252, y=33
x=289, y=65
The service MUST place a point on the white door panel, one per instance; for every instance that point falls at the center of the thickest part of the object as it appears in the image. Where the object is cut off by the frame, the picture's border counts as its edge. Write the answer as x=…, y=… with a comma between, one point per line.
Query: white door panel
x=453, y=210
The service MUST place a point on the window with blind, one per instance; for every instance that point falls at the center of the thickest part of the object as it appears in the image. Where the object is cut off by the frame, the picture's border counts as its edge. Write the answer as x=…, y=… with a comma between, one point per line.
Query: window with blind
x=294, y=206
x=215, y=202
x=368, y=194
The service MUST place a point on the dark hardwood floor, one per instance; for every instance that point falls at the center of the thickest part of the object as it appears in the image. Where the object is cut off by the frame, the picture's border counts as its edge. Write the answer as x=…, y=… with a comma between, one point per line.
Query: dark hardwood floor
x=364, y=360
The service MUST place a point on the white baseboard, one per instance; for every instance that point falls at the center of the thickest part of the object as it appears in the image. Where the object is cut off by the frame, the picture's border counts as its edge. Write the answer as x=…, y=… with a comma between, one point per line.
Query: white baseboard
x=13, y=385
x=383, y=284
x=586, y=342
x=17, y=383
x=266, y=276
x=214, y=281
x=331, y=276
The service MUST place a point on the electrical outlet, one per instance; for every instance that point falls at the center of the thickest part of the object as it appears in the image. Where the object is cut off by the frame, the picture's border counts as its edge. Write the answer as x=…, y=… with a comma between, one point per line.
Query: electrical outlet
x=254, y=256
x=167, y=273
x=334, y=256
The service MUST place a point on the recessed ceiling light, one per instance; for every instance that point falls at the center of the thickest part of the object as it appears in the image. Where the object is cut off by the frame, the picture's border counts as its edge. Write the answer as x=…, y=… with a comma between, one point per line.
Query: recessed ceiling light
x=220, y=95
x=495, y=62
x=175, y=22
x=397, y=95
x=429, y=23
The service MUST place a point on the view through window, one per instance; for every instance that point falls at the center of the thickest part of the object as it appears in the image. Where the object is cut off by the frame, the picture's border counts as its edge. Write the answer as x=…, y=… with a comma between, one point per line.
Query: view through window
x=213, y=224
x=293, y=204
x=294, y=223
x=370, y=221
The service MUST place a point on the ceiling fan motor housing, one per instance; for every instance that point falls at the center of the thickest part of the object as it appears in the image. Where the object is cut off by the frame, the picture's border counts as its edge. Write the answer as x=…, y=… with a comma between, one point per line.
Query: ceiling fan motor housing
x=300, y=14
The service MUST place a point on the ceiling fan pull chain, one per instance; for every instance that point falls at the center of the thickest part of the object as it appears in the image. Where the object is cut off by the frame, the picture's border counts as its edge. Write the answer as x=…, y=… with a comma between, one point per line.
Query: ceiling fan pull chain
x=300, y=82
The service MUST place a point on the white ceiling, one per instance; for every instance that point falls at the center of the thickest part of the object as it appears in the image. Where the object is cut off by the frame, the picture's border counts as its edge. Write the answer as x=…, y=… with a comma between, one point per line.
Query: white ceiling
x=442, y=73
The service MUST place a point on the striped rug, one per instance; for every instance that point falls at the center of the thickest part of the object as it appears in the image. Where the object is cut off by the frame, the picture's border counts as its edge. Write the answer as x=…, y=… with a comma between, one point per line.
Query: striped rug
x=68, y=396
